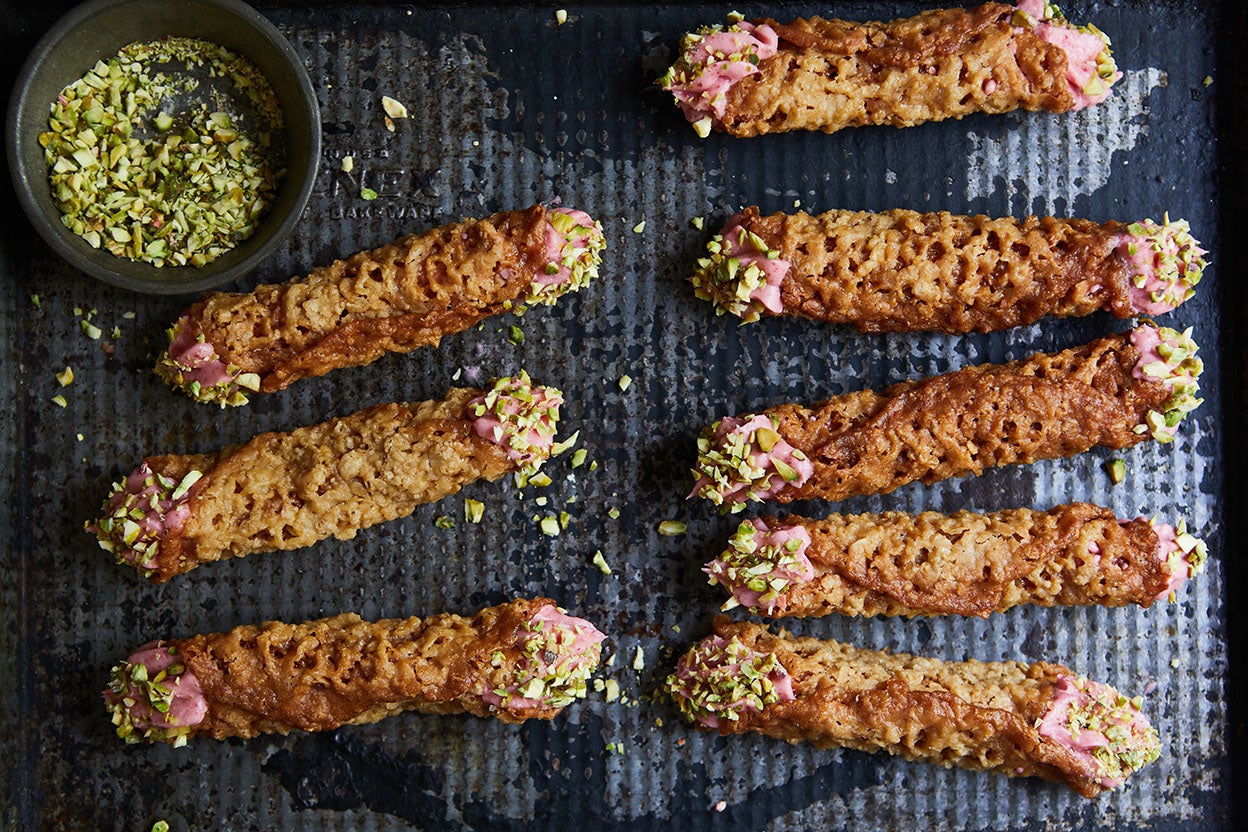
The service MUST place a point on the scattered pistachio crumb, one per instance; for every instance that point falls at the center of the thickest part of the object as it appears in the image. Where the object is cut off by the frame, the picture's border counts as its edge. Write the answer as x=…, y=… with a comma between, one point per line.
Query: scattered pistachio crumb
x=601, y=563
x=36, y=302
x=1175, y=662
x=1117, y=470
x=91, y=330
x=1208, y=80
x=697, y=222
x=613, y=513
x=561, y=16
x=66, y=376
x=593, y=466
x=541, y=501
x=549, y=526
x=625, y=382
x=541, y=479
x=444, y=522
x=515, y=335
x=393, y=107
x=160, y=826
x=348, y=164
x=80, y=437
x=658, y=722
x=639, y=227
x=116, y=333
x=675, y=628
x=368, y=194
x=564, y=517
x=612, y=690
x=559, y=447
x=578, y=457
x=59, y=400
x=129, y=316
x=672, y=528
x=797, y=203
x=639, y=659
x=474, y=510
x=455, y=376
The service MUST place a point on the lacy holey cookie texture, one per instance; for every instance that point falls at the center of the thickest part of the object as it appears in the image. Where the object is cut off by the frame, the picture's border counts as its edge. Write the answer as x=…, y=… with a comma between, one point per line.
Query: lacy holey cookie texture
x=903, y=271
x=526, y=659
x=953, y=564
x=760, y=76
x=1038, y=720
x=290, y=490
x=396, y=298
x=1115, y=392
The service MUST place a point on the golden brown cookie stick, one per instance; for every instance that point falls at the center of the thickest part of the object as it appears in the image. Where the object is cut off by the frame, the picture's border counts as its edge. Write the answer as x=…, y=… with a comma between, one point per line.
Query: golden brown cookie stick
x=760, y=76
x=394, y=299
x=953, y=564
x=284, y=491
x=902, y=271
x=1039, y=720
x=526, y=659
x=1115, y=392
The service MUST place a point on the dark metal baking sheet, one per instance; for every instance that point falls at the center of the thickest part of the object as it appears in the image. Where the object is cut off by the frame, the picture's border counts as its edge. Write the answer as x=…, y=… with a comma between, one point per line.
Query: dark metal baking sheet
x=508, y=108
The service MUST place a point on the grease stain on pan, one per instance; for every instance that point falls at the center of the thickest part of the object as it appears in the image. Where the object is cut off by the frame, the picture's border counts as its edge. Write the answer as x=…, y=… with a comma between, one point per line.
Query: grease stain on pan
x=1050, y=182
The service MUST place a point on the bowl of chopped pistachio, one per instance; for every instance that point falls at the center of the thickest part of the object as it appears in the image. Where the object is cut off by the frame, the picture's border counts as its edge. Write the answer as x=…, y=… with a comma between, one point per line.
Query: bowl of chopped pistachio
x=163, y=147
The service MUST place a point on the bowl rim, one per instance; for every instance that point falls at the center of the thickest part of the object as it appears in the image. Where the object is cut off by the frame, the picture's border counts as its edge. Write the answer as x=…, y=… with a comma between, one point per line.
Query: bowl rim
x=63, y=241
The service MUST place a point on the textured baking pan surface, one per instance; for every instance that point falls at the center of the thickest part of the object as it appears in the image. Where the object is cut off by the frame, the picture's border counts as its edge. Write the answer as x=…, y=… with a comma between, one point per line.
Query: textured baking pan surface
x=506, y=108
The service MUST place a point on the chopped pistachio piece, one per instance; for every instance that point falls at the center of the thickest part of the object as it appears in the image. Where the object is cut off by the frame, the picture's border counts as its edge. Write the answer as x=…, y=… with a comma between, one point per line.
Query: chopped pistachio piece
x=474, y=510
x=601, y=563
x=515, y=335
x=697, y=222
x=625, y=382
x=393, y=108
x=444, y=522
x=672, y=528
x=578, y=457
x=639, y=227
x=549, y=526
x=368, y=194
x=639, y=659
x=613, y=513
x=66, y=376
x=1117, y=470
x=348, y=164
x=561, y=16
x=59, y=400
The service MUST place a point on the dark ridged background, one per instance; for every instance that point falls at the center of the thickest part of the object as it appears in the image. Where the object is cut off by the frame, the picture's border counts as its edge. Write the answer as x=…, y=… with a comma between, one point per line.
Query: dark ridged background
x=507, y=109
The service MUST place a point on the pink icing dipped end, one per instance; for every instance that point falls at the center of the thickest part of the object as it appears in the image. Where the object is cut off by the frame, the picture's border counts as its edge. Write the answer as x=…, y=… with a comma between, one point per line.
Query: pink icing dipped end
x=574, y=244
x=746, y=460
x=560, y=653
x=1169, y=357
x=1106, y=731
x=1183, y=552
x=719, y=679
x=192, y=365
x=1165, y=263
x=741, y=274
x=520, y=417
x=712, y=60
x=760, y=563
x=154, y=698
x=1090, y=67
x=142, y=509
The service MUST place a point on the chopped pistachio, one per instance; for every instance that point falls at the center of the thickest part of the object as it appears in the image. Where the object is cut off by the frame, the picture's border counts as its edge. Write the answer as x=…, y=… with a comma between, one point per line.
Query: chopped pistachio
x=593, y=466
x=66, y=376
x=474, y=510
x=393, y=108
x=639, y=227
x=540, y=479
x=564, y=519
x=1117, y=470
x=368, y=194
x=639, y=659
x=541, y=501
x=578, y=457
x=515, y=335
x=444, y=522
x=348, y=164
x=1207, y=80
x=91, y=330
x=59, y=400
x=625, y=382
x=560, y=447
x=561, y=16
x=613, y=513
x=549, y=526
x=697, y=222
x=702, y=127
x=160, y=826
x=36, y=302
x=611, y=690
x=601, y=563
x=80, y=437
x=672, y=528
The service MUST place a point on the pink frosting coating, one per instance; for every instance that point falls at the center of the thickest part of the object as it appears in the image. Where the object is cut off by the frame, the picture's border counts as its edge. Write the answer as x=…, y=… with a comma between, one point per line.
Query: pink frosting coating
x=1108, y=712
x=733, y=569
x=737, y=245
x=555, y=242
x=1082, y=52
x=197, y=359
x=714, y=70
x=714, y=667
x=141, y=511
x=187, y=707
x=1156, y=295
x=739, y=488
x=528, y=438
x=565, y=647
